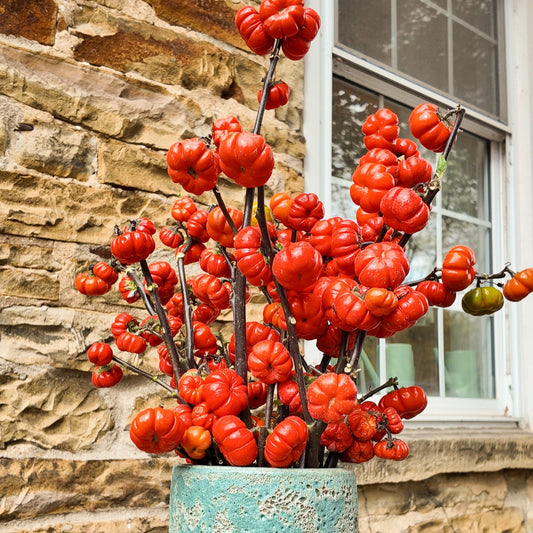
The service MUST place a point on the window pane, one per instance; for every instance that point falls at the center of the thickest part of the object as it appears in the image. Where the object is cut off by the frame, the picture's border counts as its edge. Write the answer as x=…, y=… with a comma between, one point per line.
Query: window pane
x=358, y=14
x=465, y=186
x=468, y=355
x=478, y=13
x=368, y=378
x=422, y=43
x=342, y=205
x=403, y=113
x=411, y=355
x=475, y=72
x=421, y=250
x=471, y=235
x=351, y=107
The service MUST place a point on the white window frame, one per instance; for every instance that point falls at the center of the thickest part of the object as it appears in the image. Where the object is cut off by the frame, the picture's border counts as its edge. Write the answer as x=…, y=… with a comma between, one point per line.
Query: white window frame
x=514, y=326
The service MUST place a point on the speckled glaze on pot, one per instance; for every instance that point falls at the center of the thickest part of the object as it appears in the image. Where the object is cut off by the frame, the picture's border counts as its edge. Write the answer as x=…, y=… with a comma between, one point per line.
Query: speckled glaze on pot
x=221, y=499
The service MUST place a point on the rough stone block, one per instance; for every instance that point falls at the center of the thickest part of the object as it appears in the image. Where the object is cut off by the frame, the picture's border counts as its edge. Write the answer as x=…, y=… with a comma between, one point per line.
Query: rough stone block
x=55, y=149
x=157, y=53
x=36, y=488
x=28, y=253
x=32, y=19
x=42, y=335
x=131, y=112
x=52, y=409
x=509, y=520
x=95, y=100
x=134, y=166
x=52, y=209
x=480, y=451
x=116, y=521
x=28, y=284
x=173, y=61
x=214, y=17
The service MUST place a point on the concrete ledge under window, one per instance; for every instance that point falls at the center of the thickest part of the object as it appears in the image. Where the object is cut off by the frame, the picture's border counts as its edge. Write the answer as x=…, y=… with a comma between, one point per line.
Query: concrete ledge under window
x=446, y=451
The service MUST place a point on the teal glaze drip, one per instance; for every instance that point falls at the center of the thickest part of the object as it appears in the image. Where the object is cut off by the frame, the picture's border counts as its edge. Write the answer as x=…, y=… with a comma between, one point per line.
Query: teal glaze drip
x=206, y=499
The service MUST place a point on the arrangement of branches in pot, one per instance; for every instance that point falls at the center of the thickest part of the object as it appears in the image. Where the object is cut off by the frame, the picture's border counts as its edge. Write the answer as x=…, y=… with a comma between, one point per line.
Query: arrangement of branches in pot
x=253, y=399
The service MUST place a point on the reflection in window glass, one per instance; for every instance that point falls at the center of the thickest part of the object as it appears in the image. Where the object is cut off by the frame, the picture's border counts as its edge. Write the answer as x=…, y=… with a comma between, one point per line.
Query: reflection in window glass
x=368, y=378
x=478, y=13
x=468, y=355
x=342, y=205
x=472, y=235
x=475, y=72
x=414, y=352
x=421, y=250
x=422, y=43
x=465, y=186
x=454, y=51
x=356, y=15
x=351, y=106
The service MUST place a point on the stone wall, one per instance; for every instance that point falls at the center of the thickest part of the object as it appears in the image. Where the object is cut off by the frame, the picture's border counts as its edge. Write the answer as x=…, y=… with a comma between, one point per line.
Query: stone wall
x=105, y=86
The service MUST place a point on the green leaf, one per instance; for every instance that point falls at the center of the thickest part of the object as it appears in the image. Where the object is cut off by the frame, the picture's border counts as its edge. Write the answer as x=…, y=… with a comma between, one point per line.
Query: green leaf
x=442, y=165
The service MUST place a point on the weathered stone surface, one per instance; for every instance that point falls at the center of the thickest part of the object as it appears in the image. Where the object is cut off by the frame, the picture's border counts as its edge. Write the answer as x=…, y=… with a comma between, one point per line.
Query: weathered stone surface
x=53, y=409
x=174, y=58
x=443, y=521
x=32, y=335
x=214, y=17
x=497, y=521
x=55, y=149
x=176, y=61
x=44, y=487
x=98, y=101
x=28, y=253
x=101, y=102
x=135, y=167
x=21, y=282
x=462, y=502
x=32, y=19
x=465, y=493
x=52, y=209
x=35, y=140
x=116, y=4
x=29, y=269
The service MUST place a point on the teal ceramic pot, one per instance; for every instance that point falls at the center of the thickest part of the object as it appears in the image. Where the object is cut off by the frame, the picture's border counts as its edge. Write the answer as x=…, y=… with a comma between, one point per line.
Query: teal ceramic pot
x=224, y=499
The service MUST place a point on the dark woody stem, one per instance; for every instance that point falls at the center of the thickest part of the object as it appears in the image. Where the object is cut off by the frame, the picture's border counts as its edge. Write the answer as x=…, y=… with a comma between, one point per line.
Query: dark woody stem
x=155, y=379
x=391, y=382
x=343, y=348
x=263, y=431
x=274, y=58
x=239, y=282
x=224, y=252
x=353, y=363
x=292, y=339
x=189, y=333
x=224, y=210
x=167, y=334
x=143, y=294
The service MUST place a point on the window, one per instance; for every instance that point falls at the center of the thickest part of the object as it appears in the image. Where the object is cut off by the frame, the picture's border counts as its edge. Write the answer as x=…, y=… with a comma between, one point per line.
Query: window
x=396, y=55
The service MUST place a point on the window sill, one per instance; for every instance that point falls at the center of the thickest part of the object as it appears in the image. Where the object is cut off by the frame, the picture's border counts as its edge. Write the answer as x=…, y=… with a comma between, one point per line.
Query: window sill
x=455, y=450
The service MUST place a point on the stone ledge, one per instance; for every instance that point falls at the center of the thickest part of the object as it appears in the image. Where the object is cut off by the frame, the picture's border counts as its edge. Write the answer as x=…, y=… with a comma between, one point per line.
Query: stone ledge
x=458, y=450
x=117, y=520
